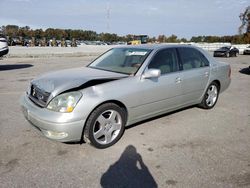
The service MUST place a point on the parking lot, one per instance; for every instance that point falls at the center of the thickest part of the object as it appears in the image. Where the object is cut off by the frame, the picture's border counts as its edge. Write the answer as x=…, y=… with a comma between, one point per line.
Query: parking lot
x=188, y=148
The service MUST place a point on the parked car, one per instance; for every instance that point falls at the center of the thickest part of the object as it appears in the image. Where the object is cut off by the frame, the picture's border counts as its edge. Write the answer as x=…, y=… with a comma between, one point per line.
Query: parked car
x=123, y=86
x=246, y=50
x=226, y=51
x=4, y=49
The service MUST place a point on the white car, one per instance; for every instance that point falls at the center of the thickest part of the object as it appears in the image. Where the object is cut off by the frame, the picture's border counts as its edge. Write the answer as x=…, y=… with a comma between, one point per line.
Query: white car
x=246, y=50
x=4, y=49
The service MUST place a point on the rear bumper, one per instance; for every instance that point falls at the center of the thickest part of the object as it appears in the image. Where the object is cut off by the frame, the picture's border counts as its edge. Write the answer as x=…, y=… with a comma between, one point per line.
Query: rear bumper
x=53, y=125
x=225, y=84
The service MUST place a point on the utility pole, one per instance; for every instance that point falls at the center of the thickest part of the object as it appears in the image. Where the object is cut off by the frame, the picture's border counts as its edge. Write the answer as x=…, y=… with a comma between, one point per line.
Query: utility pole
x=108, y=17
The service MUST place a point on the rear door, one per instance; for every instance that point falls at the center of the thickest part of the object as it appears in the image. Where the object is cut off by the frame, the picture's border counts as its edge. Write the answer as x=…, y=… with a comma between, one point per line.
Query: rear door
x=195, y=74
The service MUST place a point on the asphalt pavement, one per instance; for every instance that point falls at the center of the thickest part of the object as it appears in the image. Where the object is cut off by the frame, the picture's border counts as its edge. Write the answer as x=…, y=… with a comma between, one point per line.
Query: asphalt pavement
x=188, y=148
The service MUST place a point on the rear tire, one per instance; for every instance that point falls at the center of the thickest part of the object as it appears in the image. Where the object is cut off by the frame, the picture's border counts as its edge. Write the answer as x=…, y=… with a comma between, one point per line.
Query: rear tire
x=105, y=125
x=211, y=96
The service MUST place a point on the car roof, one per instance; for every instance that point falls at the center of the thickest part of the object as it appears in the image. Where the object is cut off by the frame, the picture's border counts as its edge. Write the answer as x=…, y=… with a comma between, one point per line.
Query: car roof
x=155, y=46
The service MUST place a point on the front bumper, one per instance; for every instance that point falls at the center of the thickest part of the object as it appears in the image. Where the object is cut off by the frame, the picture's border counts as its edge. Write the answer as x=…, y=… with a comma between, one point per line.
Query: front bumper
x=246, y=52
x=63, y=127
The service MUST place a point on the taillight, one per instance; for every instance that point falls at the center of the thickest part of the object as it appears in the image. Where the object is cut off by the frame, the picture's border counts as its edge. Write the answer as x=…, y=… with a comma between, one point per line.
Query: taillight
x=229, y=72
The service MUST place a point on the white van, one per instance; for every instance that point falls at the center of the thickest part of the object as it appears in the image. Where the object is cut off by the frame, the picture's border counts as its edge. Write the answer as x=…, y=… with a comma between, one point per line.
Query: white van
x=4, y=49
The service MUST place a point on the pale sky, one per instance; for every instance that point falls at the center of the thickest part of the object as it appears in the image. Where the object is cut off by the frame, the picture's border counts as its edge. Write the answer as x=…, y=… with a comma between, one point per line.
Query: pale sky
x=184, y=18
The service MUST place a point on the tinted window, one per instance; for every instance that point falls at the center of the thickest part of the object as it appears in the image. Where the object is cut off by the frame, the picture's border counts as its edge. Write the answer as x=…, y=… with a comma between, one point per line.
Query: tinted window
x=225, y=48
x=165, y=60
x=192, y=58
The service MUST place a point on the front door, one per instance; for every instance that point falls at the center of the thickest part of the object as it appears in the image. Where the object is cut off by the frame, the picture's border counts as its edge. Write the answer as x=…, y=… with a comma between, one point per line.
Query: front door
x=163, y=93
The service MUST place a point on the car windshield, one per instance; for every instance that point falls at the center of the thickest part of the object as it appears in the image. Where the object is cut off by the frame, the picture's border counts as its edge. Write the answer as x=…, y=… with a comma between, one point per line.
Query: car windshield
x=225, y=48
x=121, y=60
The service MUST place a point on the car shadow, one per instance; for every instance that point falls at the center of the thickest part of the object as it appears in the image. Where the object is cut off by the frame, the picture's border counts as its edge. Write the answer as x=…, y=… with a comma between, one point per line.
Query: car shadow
x=245, y=70
x=128, y=171
x=82, y=141
x=14, y=66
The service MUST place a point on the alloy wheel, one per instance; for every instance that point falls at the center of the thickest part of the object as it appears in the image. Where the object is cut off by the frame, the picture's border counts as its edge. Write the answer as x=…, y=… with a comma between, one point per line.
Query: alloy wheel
x=107, y=127
x=211, y=95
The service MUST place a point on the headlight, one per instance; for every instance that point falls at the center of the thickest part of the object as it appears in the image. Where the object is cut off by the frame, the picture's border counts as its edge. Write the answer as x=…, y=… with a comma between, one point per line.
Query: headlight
x=65, y=102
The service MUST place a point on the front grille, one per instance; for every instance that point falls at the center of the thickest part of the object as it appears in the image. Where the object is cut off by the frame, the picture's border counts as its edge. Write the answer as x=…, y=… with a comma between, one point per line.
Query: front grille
x=38, y=96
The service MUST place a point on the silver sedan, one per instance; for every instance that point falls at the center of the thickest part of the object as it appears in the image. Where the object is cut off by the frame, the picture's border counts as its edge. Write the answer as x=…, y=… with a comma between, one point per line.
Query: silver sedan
x=123, y=86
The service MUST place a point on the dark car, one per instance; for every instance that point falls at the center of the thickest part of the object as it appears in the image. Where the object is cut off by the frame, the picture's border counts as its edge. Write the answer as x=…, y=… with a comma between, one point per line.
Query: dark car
x=226, y=51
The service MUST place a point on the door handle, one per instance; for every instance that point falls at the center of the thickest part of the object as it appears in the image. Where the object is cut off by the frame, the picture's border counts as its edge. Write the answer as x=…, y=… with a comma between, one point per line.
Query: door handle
x=178, y=80
x=206, y=74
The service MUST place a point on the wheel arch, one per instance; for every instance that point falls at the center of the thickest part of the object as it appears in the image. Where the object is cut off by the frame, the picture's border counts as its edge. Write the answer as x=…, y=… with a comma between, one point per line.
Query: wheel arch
x=118, y=103
x=218, y=83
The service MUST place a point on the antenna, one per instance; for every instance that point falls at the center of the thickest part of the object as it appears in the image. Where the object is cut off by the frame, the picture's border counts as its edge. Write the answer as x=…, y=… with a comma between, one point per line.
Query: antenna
x=108, y=16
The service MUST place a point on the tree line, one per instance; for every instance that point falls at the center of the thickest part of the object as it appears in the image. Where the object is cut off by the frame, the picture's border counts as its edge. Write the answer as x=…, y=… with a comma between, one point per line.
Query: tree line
x=14, y=31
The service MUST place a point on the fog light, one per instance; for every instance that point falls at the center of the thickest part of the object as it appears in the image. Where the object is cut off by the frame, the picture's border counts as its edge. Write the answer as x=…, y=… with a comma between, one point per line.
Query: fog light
x=55, y=135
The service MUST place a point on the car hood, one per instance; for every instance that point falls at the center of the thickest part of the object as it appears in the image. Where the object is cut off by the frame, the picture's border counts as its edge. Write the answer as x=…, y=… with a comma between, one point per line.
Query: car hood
x=60, y=81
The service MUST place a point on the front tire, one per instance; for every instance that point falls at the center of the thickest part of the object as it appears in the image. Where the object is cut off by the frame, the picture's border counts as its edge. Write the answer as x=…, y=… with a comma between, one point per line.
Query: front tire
x=211, y=96
x=105, y=125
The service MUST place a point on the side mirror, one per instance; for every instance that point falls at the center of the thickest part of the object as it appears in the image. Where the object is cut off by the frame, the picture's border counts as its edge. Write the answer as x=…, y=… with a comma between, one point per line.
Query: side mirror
x=151, y=73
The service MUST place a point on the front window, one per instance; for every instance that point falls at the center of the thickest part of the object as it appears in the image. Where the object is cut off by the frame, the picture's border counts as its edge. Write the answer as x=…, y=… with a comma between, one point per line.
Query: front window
x=165, y=60
x=225, y=48
x=121, y=60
